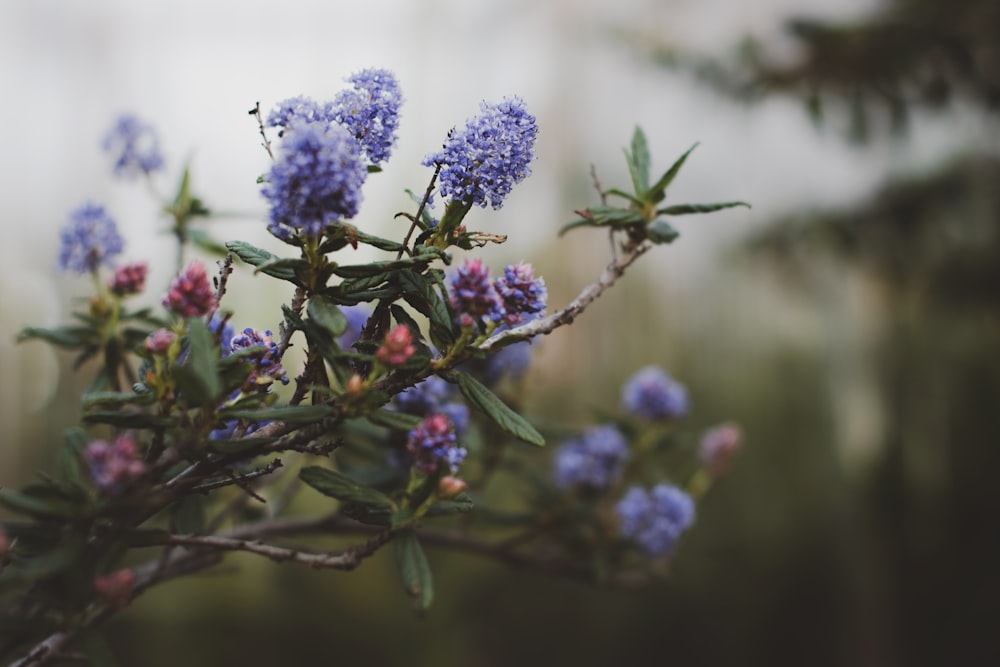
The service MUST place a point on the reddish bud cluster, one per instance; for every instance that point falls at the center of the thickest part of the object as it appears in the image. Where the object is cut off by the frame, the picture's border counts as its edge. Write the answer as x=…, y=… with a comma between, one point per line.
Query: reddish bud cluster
x=129, y=279
x=116, y=587
x=397, y=348
x=160, y=341
x=191, y=294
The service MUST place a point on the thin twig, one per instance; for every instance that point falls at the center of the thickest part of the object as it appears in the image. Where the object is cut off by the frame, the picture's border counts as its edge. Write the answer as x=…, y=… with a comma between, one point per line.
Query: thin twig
x=420, y=210
x=260, y=123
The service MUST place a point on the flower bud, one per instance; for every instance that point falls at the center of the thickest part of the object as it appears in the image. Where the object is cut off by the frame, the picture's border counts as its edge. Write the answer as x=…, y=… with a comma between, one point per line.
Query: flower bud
x=397, y=348
x=116, y=587
x=129, y=279
x=718, y=446
x=450, y=486
x=160, y=341
x=355, y=385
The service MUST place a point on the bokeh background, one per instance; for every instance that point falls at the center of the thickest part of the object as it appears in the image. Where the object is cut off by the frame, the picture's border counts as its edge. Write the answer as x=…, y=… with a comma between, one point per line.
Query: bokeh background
x=850, y=322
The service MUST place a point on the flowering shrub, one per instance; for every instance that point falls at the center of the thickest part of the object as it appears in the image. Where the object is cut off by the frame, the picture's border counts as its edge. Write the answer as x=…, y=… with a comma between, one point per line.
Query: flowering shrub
x=395, y=424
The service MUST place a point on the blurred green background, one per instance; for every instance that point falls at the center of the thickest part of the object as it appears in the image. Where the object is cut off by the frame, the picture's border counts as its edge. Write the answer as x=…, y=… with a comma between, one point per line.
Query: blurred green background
x=856, y=341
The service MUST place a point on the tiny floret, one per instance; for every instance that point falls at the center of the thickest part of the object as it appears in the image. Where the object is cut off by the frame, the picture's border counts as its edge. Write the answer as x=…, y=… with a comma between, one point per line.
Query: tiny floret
x=160, y=341
x=315, y=181
x=718, y=446
x=522, y=294
x=652, y=394
x=482, y=162
x=190, y=294
x=656, y=519
x=595, y=460
x=370, y=111
x=134, y=146
x=90, y=239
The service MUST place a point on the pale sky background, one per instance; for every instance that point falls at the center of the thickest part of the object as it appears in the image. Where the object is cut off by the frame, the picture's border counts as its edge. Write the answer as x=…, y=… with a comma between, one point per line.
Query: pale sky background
x=194, y=67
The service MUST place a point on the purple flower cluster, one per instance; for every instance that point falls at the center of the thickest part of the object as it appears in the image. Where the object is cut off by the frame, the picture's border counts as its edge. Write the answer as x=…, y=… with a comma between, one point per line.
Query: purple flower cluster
x=512, y=299
x=316, y=180
x=521, y=293
x=481, y=162
x=595, y=460
x=655, y=519
x=265, y=355
x=433, y=443
x=652, y=394
x=357, y=316
x=90, y=239
x=434, y=396
x=191, y=293
x=113, y=465
x=134, y=146
x=128, y=279
x=294, y=110
x=370, y=111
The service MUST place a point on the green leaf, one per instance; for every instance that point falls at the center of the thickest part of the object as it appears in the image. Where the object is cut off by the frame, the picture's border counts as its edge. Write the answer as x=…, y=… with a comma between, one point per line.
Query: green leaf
x=398, y=421
x=65, y=337
x=237, y=447
x=324, y=312
x=686, y=209
x=638, y=162
x=418, y=263
x=129, y=419
x=292, y=414
x=487, y=402
x=42, y=508
x=419, y=292
x=258, y=257
x=337, y=485
x=659, y=190
x=459, y=505
x=203, y=362
x=203, y=240
x=379, y=242
x=116, y=399
x=414, y=570
x=661, y=231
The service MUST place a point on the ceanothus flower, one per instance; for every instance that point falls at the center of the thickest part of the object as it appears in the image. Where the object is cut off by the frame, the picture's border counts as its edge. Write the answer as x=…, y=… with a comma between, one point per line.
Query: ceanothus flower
x=433, y=443
x=473, y=295
x=370, y=111
x=299, y=109
x=113, y=465
x=134, y=146
x=522, y=294
x=655, y=520
x=263, y=352
x=652, y=394
x=357, y=316
x=481, y=162
x=128, y=279
x=90, y=239
x=595, y=460
x=315, y=181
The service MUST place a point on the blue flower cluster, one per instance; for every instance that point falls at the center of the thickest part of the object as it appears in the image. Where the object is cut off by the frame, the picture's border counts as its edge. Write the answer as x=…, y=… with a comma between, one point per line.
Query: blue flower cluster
x=357, y=316
x=298, y=109
x=481, y=162
x=370, y=111
x=316, y=180
x=512, y=299
x=655, y=520
x=522, y=294
x=264, y=354
x=134, y=146
x=433, y=443
x=652, y=394
x=90, y=239
x=595, y=460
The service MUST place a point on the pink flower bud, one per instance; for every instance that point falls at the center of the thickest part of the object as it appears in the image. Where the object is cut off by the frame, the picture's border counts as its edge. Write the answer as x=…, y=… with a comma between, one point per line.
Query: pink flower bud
x=450, y=486
x=397, y=348
x=160, y=341
x=718, y=446
x=116, y=587
x=129, y=279
x=191, y=294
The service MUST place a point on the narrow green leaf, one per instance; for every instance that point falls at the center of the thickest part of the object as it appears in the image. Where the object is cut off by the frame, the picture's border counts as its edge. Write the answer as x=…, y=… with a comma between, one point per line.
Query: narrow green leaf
x=487, y=402
x=292, y=414
x=638, y=162
x=129, y=419
x=116, y=399
x=203, y=360
x=414, y=570
x=203, y=240
x=42, y=508
x=460, y=505
x=417, y=263
x=398, y=421
x=686, y=209
x=419, y=292
x=326, y=314
x=65, y=337
x=659, y=189
x=258, y=257
x=337, y=485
